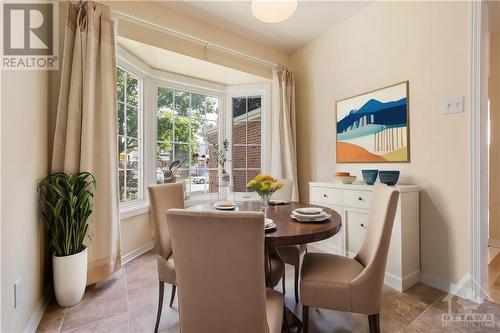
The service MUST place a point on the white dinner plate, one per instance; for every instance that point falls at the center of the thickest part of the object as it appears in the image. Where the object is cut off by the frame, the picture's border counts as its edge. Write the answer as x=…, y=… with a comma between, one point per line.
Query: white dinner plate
x=309, y=210
x=311, y=219
x=224, y=205
x=268, y=221
x=322, y=213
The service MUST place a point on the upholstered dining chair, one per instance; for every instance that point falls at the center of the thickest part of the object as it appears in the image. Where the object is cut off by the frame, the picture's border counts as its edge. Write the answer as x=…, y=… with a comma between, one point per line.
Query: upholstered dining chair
x=163, y=197
x=219, y=259
x=290, y=254
x=353, y=284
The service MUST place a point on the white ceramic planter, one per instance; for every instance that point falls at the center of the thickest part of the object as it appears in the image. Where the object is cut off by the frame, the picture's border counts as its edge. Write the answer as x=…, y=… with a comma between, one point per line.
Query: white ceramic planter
x=70, y=278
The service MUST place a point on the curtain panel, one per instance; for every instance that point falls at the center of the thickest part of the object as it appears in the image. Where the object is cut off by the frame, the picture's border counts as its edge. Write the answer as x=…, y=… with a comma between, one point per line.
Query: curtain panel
x=283, y=138
x=85, y=136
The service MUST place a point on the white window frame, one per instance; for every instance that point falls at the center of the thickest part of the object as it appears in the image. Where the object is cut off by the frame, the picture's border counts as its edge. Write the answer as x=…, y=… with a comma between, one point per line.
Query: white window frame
x=152, y=79
x=139, y=202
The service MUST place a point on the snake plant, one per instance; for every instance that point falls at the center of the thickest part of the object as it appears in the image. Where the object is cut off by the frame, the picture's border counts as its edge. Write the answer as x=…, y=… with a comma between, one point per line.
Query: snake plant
x=66, y=204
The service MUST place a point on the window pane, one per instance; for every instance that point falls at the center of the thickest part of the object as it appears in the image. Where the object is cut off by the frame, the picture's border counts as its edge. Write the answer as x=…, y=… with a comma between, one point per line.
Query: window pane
x=132, y=91
x=164, y=155
x=132, y=121
x=132, y=161
x=120, y=84
x=198, y=105
x=254, y=103
x=212, y=108
x=181, y=103
x=251, y=174
x=121, y=118
x=197, y=132
x=212, y=158
x=199, y=180
x=239, y=180
x=199, y=157
x=121, y=177
x=253, y=132
x=253, y=156
x=211, y=132
x=165, y=99
x=121, y=152
x=239, y=157
x=239, y=107
x=213, y=185
x=132, y=185
x=181, y=129
x=239, y=133
x=181, y=152
x=164, y=126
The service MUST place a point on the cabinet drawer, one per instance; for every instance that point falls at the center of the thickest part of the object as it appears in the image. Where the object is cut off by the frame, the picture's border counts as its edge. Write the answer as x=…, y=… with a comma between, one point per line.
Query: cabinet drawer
x=357, y=199
x=326, y=195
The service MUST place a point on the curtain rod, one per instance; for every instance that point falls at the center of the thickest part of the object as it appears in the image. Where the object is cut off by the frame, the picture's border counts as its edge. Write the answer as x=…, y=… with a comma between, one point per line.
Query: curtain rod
x=191, y=38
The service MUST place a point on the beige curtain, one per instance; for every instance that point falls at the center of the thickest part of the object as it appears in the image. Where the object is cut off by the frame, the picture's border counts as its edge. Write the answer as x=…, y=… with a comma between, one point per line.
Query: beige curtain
x=283, y=137
x=85, y=136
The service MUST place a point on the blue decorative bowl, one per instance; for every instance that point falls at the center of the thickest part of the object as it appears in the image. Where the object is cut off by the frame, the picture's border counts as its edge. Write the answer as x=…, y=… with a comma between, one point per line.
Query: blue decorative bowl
x=389, y=177
x=370, y=176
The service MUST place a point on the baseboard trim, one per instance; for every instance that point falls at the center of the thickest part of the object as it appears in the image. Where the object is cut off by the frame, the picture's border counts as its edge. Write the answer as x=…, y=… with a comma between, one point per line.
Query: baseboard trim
x=137, y=252
x=37, y=315
x=401, y=284
x=494, y=243
x=451, y=288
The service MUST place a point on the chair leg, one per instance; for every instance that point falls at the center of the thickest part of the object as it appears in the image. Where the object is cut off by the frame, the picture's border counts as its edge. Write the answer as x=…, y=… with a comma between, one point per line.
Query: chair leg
x=374, y=323
x=283, y=287
x=296, y=287
x=305, y=319
x=285, y=320
x=161, y=290
x=172, y=295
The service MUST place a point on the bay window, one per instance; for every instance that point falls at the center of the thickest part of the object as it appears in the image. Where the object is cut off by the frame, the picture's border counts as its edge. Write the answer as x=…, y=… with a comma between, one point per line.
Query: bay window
x=169, y=127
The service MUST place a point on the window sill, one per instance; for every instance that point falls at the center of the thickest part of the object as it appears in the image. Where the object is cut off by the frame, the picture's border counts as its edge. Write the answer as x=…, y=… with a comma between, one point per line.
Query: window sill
x=133, y=209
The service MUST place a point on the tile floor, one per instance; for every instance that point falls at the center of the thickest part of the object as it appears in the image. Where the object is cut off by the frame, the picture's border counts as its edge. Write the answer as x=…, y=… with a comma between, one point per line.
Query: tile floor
x=127, y=303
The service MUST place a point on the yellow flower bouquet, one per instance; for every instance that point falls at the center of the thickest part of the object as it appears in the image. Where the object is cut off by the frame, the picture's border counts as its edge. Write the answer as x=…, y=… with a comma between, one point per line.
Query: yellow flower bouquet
x=265, y=186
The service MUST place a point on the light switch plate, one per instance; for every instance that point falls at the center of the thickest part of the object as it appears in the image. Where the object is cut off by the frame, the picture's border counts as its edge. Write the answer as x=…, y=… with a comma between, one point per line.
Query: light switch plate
x=18, y=293
x=453, y=105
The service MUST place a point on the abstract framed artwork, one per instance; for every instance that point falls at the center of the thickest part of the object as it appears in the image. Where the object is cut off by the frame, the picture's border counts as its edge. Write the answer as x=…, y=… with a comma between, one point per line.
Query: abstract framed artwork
x=374, y=127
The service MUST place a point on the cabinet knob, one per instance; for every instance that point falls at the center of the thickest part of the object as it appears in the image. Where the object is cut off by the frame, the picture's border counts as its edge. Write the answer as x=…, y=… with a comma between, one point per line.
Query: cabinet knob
x=363, y=225
x=324, y=195
x=360, y=198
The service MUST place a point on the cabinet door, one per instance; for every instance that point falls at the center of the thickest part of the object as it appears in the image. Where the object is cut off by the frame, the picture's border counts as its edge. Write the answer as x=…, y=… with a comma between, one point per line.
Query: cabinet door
x=355, y=221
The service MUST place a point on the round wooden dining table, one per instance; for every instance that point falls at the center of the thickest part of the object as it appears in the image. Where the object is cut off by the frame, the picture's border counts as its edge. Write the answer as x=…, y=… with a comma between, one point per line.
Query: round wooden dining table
x=288, y=231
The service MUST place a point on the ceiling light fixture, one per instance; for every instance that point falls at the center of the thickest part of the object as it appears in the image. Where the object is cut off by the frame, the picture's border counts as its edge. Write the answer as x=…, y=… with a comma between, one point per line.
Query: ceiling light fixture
x=273, y=11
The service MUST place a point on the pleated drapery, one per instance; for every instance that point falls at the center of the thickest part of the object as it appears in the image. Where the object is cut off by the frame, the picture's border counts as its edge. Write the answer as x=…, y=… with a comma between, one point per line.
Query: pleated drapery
x=283, y=139
x=85, y=137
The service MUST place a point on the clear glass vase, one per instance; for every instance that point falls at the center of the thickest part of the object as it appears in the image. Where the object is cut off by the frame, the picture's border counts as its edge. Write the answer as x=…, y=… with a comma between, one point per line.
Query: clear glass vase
x=264, y=202
x=224, y=187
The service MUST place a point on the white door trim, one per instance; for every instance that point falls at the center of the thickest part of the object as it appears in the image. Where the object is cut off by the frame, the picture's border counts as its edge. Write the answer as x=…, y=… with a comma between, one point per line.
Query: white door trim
x=478, y=152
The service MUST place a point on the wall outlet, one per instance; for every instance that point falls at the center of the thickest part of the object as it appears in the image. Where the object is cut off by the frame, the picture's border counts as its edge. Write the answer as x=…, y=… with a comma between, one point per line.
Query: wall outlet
x=18, y=293
x=453, y=105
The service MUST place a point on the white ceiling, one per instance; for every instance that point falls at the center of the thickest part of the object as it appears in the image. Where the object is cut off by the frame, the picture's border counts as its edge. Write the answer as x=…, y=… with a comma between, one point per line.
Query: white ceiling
x=169, y=61
x=310, y=20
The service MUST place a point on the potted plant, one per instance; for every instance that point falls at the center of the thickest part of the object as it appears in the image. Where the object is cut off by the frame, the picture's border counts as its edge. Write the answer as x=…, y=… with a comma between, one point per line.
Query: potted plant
x=265, y=186
x=66, y=204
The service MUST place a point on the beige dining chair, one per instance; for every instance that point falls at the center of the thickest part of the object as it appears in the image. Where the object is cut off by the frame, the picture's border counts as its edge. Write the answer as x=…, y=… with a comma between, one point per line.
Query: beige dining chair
x=290, y=254
x=161, y=198
x=353, y=284
x=219, y=258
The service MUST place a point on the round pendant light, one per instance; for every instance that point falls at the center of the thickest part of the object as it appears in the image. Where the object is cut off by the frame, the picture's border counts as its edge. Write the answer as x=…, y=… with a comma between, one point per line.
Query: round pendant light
x=273, y=11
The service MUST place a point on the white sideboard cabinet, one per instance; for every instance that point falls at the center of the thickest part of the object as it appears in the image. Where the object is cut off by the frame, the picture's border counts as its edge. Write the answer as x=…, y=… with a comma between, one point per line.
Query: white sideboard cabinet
x=352, y=202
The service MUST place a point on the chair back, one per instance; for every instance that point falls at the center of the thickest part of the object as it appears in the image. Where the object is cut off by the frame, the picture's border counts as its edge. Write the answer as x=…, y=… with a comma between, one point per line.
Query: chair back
x=285, y=193
x=367, y=286
x=161, y=198
x=219, y=263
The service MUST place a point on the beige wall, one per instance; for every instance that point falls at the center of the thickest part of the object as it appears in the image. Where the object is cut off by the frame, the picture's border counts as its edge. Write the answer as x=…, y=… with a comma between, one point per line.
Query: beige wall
x=135, y=233
x=24, y=152
x=426, y=43
x=494, y=96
